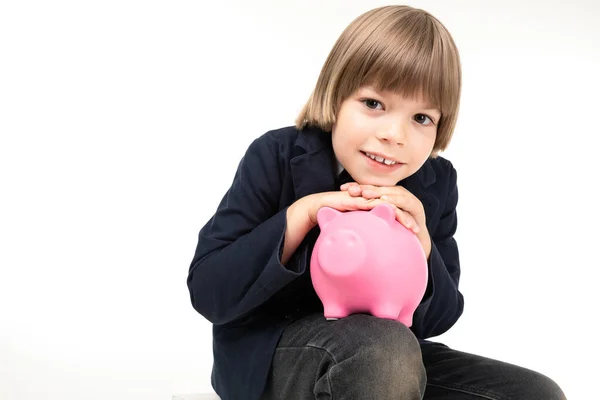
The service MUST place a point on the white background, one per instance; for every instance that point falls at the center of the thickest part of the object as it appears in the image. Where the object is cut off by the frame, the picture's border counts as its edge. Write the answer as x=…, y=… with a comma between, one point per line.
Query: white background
x=122, y=123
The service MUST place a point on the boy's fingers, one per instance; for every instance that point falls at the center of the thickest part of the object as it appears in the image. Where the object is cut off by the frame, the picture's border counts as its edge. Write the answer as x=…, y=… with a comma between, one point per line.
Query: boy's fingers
x=407, y=220
x=354, y=190
x=367, y=204
x=370, y=193
x=348, y=184
x=403, y=201
x=348, y=202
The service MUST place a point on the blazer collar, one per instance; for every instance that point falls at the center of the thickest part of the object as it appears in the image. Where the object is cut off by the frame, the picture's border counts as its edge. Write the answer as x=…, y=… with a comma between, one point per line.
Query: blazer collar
x=313, y=163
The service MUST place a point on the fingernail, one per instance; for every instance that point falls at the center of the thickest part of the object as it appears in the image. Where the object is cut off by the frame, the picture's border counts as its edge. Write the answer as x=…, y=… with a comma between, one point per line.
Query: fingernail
x=384, y=197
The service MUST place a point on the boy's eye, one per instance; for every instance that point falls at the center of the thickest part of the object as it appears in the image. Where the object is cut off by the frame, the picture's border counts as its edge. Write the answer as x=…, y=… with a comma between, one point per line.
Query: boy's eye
x=372, y=104
x=422, y=119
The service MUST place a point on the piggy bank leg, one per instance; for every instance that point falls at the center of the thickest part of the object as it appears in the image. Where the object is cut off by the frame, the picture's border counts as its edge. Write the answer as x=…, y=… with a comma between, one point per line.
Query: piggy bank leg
x=333, y=311
x=385, y=310
x=406, y=316
x=406, y=319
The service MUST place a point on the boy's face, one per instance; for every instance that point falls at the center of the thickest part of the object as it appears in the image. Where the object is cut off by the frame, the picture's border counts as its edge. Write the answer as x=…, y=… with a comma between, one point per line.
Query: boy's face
x=383, y=124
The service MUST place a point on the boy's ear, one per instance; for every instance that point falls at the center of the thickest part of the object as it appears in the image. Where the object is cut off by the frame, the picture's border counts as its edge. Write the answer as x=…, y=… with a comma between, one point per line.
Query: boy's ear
x=325, y=215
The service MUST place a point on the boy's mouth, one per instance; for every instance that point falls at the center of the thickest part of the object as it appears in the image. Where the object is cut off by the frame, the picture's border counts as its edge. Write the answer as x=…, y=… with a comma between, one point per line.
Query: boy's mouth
x=381, y=159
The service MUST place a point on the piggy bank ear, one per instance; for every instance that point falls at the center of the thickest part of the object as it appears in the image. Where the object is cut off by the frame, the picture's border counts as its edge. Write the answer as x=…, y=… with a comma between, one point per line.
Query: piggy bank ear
x=325, y=215
x=384, y=211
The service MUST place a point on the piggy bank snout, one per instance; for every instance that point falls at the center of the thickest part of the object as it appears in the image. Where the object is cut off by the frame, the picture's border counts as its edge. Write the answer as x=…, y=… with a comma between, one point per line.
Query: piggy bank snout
x=342, y=253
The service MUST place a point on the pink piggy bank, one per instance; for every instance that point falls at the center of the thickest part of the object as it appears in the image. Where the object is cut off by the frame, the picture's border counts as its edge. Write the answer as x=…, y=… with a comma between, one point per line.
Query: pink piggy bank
x=367, y=262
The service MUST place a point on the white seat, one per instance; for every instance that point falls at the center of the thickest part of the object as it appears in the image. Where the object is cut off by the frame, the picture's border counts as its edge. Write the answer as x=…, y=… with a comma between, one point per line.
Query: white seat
x=196, y=396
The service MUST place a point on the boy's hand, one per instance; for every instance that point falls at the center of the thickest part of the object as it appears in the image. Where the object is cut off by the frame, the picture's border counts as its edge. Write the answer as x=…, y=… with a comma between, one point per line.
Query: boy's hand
x=409, y=209
x=301, y=215
x=341, y=201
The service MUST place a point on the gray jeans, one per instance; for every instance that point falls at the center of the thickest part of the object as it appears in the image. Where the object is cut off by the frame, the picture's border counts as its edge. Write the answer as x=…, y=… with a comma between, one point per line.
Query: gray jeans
x=361, y=357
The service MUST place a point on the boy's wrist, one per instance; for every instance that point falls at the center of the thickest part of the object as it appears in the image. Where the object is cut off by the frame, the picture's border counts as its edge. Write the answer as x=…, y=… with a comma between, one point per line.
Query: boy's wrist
x=300, y=213
x=298, y=224
x=307, y=208
x=425, y=240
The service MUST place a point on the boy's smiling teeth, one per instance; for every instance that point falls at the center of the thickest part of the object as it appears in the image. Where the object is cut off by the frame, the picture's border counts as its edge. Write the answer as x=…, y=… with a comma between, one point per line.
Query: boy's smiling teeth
x=380, y=159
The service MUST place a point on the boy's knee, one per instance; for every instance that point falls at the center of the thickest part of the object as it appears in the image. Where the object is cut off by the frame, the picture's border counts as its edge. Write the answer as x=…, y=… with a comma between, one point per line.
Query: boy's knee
x=391, y=367
x=391, y=343
x=386, y=361
x=397, y=357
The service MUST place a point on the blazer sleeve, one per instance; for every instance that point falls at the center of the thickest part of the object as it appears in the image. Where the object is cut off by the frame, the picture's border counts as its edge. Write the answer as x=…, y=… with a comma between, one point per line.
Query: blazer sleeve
x=442, y=303
x=237, y=263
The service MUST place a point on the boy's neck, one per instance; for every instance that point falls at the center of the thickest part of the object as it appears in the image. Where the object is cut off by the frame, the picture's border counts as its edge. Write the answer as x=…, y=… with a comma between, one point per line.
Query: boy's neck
x=339, y=167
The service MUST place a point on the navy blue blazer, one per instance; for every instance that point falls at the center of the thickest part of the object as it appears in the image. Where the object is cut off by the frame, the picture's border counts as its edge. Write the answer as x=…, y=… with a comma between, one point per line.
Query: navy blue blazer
x=236, y=279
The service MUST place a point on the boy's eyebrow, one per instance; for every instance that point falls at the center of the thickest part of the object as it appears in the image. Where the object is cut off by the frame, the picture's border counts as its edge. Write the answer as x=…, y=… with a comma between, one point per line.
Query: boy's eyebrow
x=429, y=107
x=426, y=106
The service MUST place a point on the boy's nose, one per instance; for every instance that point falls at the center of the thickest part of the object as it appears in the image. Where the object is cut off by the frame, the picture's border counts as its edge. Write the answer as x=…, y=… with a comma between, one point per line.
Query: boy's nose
x=394, y=133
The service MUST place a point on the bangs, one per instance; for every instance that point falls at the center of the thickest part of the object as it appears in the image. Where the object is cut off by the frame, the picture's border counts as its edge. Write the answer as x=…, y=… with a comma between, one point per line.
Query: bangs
x=409, y=60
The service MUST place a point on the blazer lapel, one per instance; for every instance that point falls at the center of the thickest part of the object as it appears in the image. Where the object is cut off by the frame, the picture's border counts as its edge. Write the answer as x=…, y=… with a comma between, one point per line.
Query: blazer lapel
x=418, y=185
x=313, y=169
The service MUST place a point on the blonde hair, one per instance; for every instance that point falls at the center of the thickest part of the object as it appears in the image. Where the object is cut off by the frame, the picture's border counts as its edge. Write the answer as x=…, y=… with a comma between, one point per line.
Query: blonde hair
x=393, y=48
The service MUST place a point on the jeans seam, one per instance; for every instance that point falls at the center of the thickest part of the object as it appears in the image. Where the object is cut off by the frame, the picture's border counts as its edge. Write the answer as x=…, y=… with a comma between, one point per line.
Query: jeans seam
x=331, y=391
x=312, y=346
x=464, y=389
